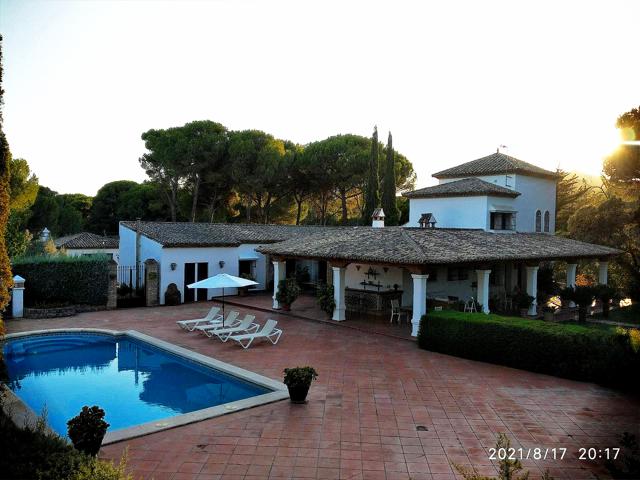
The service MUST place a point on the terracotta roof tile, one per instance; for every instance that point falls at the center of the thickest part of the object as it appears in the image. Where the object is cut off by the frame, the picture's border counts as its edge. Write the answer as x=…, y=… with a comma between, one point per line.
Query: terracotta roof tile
x=496, y=163
x=467, y=187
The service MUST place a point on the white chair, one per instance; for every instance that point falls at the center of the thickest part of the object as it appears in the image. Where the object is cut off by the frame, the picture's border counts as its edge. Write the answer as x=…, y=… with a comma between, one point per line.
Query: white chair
x=246, y=325
x=230, y=321
x=470, y=305
x=395, y=311
x=269, y=331
x=190, y=325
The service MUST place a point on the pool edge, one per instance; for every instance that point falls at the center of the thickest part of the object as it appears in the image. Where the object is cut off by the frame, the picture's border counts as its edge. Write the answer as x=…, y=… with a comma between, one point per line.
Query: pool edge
x=279, y=390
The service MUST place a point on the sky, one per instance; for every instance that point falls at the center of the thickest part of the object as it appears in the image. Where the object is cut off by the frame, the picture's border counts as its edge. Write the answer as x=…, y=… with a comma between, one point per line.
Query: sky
x=452, y=80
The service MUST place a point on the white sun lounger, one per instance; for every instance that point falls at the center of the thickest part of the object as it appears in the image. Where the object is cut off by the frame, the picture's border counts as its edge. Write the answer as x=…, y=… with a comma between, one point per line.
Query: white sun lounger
x=191, y=324
x=245, y=326
x=230, y=321
x=269, y=331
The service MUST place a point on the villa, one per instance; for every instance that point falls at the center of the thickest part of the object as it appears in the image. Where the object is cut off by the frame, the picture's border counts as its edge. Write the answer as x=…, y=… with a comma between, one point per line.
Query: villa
x=482, y=232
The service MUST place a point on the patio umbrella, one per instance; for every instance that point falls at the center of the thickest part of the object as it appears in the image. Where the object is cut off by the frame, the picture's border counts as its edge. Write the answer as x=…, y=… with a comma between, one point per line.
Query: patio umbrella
x=223, y=280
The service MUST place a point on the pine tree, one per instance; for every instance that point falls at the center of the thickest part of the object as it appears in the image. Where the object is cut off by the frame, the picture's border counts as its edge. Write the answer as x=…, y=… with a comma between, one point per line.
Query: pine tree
x=372, y=192
x=5, y=267
x=389, y=187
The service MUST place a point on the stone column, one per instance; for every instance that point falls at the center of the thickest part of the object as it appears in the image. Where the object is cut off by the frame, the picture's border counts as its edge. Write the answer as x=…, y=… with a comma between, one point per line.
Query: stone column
x=483, y=289
x=112, y=292
x=339, y=312
x=419, y=301
x=571, y=279
x=17, y=294
x=151, y=282
x=532, y=287
x=603, y=268
x=279, y=272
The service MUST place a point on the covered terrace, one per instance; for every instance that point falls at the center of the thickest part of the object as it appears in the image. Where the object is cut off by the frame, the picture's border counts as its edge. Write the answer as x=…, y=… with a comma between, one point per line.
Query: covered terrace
x=414, y=264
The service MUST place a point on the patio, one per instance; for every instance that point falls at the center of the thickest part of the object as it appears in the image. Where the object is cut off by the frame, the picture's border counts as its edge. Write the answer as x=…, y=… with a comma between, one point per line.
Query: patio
x=364, y=411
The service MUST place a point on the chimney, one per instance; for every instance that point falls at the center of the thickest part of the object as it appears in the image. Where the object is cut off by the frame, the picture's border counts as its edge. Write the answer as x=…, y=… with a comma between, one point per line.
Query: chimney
x=427, y=220
x=378, y=218
x=45, y=235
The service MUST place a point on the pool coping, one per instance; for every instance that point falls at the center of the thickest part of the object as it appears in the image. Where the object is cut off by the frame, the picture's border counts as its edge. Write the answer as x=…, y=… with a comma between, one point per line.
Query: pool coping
x=279, y=390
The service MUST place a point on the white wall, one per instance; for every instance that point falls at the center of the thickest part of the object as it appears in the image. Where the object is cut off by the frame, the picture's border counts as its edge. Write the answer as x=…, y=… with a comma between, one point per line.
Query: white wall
x=536, y=194
x=503, y=180
x=127, y=246
x=392, y=276
x=451, y=212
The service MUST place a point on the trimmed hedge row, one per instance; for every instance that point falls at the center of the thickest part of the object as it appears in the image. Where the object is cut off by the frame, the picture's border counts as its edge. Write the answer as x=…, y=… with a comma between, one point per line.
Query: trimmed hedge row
x=606, y=355
x=64, y=280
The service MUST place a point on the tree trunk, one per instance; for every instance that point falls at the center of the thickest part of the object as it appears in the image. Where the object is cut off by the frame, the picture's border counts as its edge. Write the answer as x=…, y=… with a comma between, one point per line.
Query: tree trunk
x=343, y=202
x=194, y=203
x=299, y=211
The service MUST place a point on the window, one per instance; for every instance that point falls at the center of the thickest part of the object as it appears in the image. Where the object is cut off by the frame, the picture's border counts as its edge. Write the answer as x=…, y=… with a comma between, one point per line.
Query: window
x=503, y=221
x=454, y=274
x=538, y=221
x=507, y=180
x=546, y=221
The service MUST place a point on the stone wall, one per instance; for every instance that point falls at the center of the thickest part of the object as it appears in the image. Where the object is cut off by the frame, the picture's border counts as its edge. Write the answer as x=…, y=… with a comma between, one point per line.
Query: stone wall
x=151, y=283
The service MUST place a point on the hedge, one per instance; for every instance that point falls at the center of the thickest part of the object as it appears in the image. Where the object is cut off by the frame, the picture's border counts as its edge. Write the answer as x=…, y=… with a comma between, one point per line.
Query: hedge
x=55, y=280
x=602, y=354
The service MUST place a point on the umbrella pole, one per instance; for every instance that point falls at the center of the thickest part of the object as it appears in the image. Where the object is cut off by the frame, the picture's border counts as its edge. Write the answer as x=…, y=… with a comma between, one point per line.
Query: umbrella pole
x=222, y=307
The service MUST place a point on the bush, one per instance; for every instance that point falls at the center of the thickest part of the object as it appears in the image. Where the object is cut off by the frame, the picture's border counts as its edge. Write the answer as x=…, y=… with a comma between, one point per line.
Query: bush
x=61, y=279
x=607, y=355
x=288, y=291
x=325, y=299
x=34, y=453
x=582, y=295
x=87, y=429
x=299, y=376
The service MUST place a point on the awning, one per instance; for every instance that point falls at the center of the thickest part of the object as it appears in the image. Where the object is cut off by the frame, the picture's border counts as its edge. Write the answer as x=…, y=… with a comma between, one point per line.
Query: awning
x=501, y=208
x=248, y=256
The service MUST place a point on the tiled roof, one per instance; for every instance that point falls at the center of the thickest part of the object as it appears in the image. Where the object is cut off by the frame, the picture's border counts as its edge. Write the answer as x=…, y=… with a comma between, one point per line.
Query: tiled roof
x=86, y=240
x=184, y=234
x=418, y=246
x=467, y=187
x=496, y=163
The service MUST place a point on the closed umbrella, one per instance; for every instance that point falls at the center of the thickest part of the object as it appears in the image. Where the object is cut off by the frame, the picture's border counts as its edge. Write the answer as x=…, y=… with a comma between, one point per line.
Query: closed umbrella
x=223, y=280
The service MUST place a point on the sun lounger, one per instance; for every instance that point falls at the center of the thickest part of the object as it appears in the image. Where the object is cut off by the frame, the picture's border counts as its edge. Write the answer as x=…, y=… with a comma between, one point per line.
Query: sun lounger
x=191, y=324
x=269, y=331
x=230, y=321
x=245, y=326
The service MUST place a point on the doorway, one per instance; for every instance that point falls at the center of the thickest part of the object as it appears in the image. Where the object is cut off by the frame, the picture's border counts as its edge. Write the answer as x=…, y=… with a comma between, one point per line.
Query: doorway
x=194, y=272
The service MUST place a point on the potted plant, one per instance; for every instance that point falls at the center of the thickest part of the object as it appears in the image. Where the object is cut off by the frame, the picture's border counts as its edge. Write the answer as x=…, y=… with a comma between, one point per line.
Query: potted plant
x=288, y=292
x=583, y=296
x=523, y=301
x=548, y=312
x=298, y=380
x=606, y=294
x=567, y=295
x=326, y=299
x=87, y=429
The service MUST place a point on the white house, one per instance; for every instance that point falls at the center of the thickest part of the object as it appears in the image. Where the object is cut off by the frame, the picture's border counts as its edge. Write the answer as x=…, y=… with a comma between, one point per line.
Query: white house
x=482, y=232
x=495, y=193
x=87, y=244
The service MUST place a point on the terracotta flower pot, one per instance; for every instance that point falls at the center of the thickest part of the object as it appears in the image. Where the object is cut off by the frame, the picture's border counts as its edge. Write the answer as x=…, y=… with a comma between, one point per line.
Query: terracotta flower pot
x=298, y=393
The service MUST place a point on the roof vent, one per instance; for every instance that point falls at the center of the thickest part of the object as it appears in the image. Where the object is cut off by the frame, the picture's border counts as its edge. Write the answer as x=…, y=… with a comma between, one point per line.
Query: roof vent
x=427, y=220
x=377, y=218
x=45, y=235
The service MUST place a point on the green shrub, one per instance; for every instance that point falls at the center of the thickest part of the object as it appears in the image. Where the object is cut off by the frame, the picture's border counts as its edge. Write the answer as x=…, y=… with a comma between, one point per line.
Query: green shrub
x=325, y=299
x=299, y=376
x=288, y=291
x=61, y=279
x=94, y=469
x=87, y=429
x=607, y=355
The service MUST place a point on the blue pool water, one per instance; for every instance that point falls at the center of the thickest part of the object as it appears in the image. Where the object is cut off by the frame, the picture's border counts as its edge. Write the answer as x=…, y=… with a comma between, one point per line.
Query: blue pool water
x=133, y=381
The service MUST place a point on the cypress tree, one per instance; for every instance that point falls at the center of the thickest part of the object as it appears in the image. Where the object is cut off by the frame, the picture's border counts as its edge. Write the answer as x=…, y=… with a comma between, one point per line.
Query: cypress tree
x=372, y=192
x=389, y=187
x=6, y=279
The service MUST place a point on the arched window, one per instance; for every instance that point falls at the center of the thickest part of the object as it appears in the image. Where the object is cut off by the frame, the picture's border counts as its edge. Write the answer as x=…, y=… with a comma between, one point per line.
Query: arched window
x=546, y=221
x=538, y=221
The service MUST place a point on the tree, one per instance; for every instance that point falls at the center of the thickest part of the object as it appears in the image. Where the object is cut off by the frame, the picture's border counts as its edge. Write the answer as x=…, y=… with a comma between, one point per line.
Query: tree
x=299, y=178
x=6, y=280
x=45, y=211
x=258, y=163
x=389, y=204
x=623, y=165
x=571, y=190
x=372, y=194
x=144, y=201
x=165, y=163
x=23, y=191
x=104, y=216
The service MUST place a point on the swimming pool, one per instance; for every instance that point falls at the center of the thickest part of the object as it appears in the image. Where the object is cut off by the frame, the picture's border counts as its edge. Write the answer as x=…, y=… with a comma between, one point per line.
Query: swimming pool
x=137, y=380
